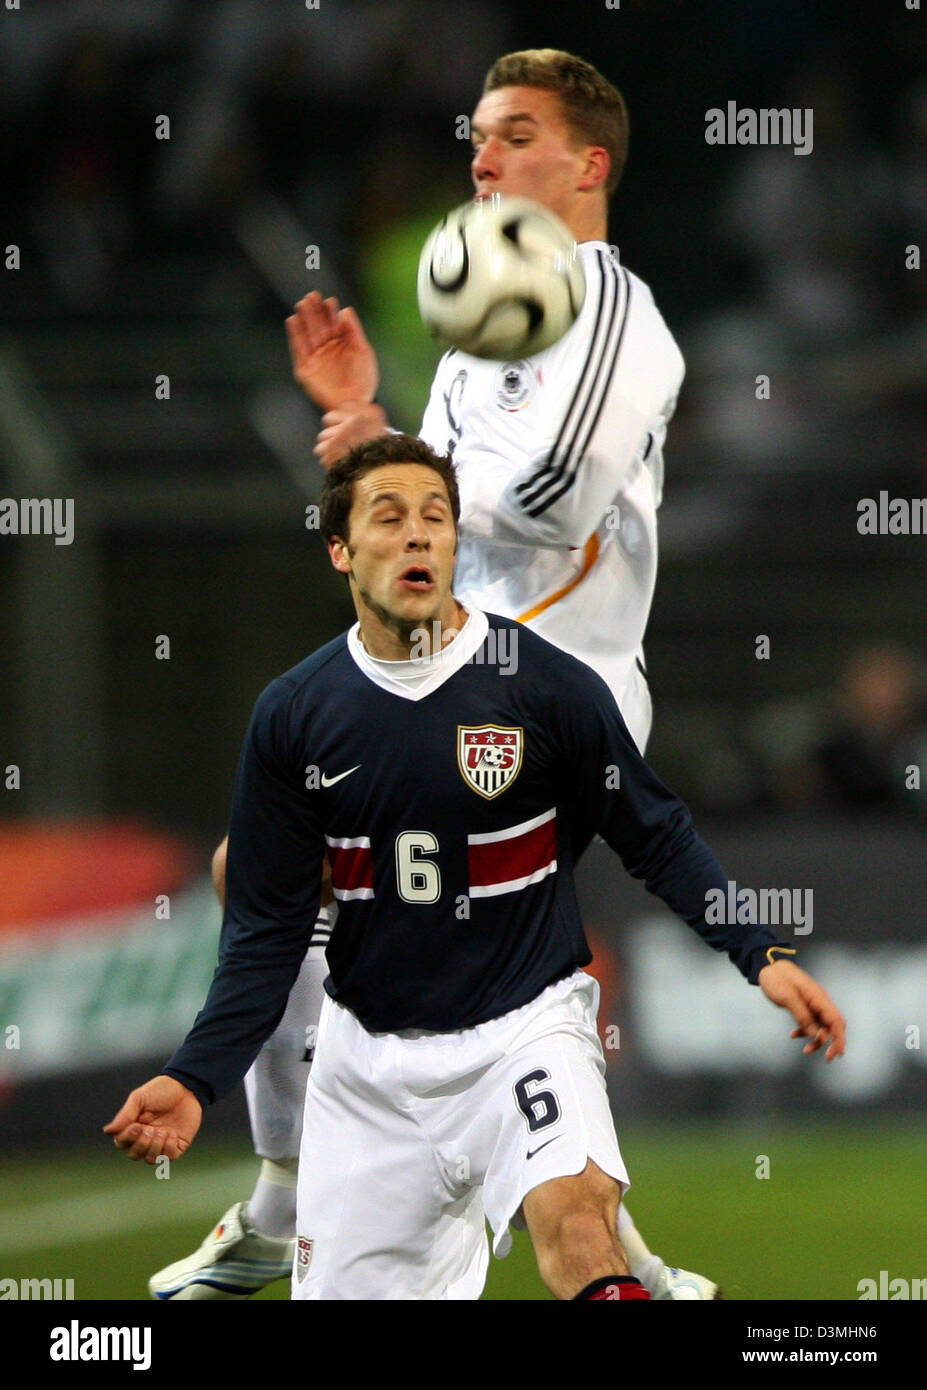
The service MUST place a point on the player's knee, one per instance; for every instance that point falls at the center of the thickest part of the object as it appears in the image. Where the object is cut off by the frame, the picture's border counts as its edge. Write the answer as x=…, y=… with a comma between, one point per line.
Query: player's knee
x=218, y=869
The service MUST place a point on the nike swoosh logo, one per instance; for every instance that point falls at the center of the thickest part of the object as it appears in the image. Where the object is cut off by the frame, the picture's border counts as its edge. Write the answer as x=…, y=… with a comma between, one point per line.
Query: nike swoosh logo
x=330, y=781
x=532, y=1152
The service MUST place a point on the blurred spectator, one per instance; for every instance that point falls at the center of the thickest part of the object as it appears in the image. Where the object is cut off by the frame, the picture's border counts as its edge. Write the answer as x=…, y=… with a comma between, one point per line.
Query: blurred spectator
x=879, y=730
x=863, y=748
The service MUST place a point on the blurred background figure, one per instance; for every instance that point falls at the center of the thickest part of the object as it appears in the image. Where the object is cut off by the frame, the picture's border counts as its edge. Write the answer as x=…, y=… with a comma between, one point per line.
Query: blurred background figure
x=877, y=735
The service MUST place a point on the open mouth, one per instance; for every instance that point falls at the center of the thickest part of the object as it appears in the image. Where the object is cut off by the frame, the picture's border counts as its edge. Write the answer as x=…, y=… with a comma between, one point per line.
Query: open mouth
x=417, y=578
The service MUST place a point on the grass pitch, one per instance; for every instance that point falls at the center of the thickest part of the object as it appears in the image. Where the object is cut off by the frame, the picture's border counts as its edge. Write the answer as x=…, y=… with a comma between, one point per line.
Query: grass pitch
x=841, y=1202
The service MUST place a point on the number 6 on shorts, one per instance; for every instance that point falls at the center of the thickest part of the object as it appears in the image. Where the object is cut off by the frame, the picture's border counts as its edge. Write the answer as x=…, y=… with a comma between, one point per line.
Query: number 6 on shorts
x=540, y=1108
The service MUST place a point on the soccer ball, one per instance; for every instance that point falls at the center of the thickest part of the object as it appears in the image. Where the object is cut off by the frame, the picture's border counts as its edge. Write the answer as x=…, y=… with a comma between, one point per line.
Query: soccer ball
x=500, y=278
x=494, y=757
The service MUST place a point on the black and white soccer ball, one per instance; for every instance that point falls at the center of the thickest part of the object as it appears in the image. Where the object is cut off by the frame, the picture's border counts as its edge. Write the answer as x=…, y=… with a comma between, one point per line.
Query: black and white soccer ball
x=501, y=278
x=493, y=757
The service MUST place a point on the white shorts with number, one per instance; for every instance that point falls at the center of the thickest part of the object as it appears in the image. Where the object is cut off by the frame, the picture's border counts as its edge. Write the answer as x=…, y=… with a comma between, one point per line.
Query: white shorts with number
x=411, y=1140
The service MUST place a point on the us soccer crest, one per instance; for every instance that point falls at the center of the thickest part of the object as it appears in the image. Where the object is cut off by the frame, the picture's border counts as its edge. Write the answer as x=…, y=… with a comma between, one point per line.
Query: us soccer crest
x=489, y=757
x=303, y=1257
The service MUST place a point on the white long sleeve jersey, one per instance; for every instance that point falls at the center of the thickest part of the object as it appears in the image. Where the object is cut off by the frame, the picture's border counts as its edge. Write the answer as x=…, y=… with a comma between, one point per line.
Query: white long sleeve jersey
x=560, y=466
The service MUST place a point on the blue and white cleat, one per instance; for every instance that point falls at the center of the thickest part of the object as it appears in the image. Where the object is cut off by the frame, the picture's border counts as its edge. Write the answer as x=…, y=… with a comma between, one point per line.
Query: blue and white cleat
x=234, y=1261
x=666, y=1282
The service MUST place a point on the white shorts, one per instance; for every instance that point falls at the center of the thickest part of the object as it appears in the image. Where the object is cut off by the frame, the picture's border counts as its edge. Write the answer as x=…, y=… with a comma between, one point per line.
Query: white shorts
x=411, y=1141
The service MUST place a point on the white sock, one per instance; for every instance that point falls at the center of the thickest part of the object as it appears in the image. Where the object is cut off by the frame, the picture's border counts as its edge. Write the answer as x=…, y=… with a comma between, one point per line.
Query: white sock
x=272, y=1204
x=632, y=1241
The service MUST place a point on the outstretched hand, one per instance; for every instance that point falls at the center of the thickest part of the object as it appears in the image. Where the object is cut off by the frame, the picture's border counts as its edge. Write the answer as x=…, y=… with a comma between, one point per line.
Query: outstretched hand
x=332, y=360
x=158, y=1119
x=812, y=1008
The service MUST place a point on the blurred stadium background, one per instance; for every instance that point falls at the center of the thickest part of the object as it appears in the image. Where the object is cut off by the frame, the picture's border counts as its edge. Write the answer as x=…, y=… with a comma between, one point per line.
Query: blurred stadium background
x=142, y=258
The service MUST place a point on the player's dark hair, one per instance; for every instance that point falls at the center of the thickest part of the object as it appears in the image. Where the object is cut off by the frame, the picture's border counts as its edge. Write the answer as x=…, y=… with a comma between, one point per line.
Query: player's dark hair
x=338, y=488
x=593, y=109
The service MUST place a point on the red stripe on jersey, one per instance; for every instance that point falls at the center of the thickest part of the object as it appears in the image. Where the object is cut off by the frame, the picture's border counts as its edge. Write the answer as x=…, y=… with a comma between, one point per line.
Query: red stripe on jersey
x=351, y=868
x=504, y=860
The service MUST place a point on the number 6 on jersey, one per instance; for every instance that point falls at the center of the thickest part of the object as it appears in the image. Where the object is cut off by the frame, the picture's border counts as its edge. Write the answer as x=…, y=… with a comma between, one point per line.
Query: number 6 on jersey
x=418, y=879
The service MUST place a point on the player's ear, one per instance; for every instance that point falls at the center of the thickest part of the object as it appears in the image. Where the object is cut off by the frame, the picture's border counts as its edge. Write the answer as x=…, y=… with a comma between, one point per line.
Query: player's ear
x=595, y=168
x=338, y=554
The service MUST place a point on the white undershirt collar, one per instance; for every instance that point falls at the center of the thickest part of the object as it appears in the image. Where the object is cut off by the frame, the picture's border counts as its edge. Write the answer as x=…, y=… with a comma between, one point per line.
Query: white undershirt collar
x=415, y=678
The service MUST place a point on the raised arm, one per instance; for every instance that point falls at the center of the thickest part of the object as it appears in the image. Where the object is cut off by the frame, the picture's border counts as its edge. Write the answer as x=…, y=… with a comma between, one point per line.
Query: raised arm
x=337, y=368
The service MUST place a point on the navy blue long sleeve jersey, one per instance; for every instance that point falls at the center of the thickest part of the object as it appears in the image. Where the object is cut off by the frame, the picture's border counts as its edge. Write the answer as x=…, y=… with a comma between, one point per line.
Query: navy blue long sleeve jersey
x=453, y=811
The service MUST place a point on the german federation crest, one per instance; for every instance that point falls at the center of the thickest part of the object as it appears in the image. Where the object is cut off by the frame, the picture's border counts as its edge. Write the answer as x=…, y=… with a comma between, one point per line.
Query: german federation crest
x=489, y=757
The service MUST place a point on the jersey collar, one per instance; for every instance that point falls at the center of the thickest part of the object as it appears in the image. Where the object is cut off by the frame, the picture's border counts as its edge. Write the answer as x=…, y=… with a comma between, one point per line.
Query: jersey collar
x=415, y=679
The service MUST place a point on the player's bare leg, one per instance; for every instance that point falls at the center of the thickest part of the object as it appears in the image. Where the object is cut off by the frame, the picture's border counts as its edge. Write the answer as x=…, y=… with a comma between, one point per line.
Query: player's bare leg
x=573, y=1226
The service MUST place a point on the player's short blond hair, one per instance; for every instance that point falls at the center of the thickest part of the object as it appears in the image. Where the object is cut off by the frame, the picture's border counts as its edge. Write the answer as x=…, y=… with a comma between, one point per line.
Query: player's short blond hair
x=593, y=109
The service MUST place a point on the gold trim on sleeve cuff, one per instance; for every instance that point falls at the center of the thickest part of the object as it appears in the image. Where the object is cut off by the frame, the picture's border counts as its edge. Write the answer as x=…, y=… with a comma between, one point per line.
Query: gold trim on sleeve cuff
x=783, y=951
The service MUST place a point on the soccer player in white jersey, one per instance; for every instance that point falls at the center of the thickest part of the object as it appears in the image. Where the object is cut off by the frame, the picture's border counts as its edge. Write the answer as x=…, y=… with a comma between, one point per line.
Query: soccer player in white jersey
x=560, y=466
x=459, y=1077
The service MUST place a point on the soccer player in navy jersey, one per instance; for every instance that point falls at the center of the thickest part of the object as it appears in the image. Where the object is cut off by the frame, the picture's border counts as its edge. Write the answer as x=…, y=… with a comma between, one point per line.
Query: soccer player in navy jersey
x=458, y=1073
x=560, y=467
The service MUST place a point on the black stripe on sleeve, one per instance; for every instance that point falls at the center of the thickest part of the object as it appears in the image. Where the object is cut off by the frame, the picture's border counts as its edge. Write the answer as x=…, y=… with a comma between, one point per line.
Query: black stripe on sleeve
x=587, y=426
x=603, y=321
x=560, y=466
